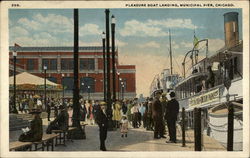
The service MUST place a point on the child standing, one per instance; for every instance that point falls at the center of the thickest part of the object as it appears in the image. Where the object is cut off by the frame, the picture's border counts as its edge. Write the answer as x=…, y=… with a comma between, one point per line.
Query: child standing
x=124, y=126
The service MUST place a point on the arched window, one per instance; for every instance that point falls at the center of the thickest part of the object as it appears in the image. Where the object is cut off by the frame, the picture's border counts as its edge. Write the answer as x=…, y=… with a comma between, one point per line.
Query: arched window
x=68, y=83
x=87, y=84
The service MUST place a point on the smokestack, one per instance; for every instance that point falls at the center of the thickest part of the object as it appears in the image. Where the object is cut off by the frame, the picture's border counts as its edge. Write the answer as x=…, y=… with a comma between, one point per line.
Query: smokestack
x=231, y=29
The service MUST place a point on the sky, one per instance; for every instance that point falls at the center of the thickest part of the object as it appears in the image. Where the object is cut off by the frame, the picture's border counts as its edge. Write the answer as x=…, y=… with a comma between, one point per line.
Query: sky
x=142, y=35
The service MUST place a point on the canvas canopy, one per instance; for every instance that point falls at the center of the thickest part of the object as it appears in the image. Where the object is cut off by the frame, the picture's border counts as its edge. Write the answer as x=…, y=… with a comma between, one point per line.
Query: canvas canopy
x=26, y=80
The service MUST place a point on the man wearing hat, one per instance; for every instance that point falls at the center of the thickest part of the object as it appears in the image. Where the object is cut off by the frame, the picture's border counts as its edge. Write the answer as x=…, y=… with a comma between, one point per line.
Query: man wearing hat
x=102, y=121
x=157, y=115
x=36, y=128
x=164, y=105
x=61, y=122
x=171, y=114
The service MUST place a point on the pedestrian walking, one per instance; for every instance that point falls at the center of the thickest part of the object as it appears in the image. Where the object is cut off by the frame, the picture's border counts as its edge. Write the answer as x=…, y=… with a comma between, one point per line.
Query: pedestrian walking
x=171, y=114
x=116, y=114
x=164, y=105
x=102, y=121
x=142, y=110
x=70, y=113
x=157, y=116
x=150, y=123
x=124, y=126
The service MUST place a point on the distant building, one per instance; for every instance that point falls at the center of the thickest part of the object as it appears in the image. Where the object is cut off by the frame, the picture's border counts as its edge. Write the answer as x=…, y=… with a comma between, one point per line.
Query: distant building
x=59, y=62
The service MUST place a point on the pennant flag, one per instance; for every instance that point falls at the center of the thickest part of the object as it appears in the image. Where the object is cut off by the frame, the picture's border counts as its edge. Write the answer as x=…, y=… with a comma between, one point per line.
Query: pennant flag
x=16, y=45
x=195, y=42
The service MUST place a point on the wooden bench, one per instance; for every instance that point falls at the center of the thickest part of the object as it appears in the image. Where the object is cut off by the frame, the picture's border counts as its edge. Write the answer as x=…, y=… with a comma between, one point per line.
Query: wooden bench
x=17, y=145
x=61, y=137
x=70, y=129
x=47, y=140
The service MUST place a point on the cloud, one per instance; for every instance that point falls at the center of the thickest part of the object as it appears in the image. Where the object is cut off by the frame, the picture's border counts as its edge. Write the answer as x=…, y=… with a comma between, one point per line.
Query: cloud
x=52, y=23
x=173, y=23
x=154, y=28
x=29, y=24
x=121, y=43
x=137, y=28
x=187, y=45
x=151, y=44
x=18, y=31
x=90, y=29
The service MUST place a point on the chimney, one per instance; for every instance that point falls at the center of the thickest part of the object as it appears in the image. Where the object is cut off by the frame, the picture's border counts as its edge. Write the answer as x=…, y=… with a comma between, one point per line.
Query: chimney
x=231, y=29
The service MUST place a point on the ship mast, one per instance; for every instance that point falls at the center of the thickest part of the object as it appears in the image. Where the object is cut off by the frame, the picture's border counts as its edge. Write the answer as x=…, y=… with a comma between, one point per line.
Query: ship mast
x=170, y=52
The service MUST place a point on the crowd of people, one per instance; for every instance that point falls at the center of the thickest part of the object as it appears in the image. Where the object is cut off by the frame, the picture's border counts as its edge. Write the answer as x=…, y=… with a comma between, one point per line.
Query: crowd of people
x=153, y=114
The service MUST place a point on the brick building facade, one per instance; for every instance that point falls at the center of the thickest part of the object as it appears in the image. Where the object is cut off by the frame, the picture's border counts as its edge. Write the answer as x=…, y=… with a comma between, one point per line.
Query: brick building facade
x=59, y=62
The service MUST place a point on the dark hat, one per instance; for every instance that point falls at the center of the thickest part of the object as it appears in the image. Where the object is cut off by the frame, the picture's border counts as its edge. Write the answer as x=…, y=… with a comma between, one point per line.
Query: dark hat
x=35, y=111
x=61, y=107
x=172, y=94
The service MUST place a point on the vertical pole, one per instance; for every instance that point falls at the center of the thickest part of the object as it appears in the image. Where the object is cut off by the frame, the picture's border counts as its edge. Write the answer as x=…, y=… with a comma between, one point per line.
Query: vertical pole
x=63, y=96
x=45, y=97
x=230, y=130
x=170, y=52
x=109, y=110
x=197, y=132
x=76, y=107
x=14, y=97
x=104, y=70
x=113, y=58
x=118, y=86
x=183, y=127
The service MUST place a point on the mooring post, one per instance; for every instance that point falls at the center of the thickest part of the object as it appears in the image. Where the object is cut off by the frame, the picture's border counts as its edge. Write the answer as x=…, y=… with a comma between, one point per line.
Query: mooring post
x=183, y=127
x=197, y=129
x=230, y=128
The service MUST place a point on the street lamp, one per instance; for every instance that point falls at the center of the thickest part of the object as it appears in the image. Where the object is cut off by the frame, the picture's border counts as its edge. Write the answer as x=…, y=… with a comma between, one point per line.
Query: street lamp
x=82, y=90
x=45, y=99
x=63, y=90
x=88, y=92
x=118, y=76
x=113, y=55
x=14, y=102
x=104, y=67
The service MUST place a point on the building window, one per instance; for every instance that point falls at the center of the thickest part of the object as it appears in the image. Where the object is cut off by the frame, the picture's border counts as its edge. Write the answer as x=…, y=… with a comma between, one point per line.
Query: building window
x=50, y=63
x=67, y=64
x=87, y=84
x=68, y=83
x=87, y=64
x=30, y=64
x=52, y=79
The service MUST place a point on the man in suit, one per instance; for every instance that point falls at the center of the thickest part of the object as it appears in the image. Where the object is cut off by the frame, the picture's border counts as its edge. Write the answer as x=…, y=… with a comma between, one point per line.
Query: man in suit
x=102, y=121
x=36, y=128
x=171, y=114
x=61, y=122
x=157, y=115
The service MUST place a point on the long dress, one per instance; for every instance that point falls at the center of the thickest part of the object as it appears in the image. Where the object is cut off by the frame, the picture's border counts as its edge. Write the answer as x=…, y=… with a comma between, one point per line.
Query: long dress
x=70, y=112
x=124, y=126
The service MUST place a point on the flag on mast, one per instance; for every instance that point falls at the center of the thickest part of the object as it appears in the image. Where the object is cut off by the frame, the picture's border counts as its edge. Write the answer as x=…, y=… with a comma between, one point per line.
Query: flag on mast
x=195, y=42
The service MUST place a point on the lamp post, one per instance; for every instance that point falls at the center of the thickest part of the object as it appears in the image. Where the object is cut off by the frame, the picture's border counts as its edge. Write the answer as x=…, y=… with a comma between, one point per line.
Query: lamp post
x=82, y=90
x=104, y=68
x=14, y=110
x=123, y=91
x=109, y=110
x=45, y=98
x=63, y=90
x=118, y=76
x=113, y=55
x=88, y=92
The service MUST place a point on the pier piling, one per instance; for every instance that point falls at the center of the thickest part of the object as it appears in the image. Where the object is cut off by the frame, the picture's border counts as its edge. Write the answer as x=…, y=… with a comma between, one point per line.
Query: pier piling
x=197, y=129
x=230, y=130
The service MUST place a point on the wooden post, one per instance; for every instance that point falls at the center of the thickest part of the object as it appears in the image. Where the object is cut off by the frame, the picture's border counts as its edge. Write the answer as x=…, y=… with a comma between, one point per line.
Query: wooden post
x=197, y=129
x=230, y=130
x=183, y=128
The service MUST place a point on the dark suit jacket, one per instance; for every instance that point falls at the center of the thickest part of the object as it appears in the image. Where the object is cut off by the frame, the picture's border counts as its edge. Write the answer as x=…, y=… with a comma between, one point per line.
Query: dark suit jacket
x=157, y=109
x=172, y=109
x=62, y=120
x=101, y=119
x=35, y=133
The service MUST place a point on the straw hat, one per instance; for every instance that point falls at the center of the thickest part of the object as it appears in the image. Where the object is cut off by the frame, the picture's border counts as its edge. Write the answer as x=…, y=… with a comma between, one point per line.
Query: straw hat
x=103, y=103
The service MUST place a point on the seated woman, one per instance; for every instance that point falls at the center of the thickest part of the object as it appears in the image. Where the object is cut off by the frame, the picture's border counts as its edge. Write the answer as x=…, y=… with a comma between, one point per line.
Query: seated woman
x=61, y=122
x=36, y=128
